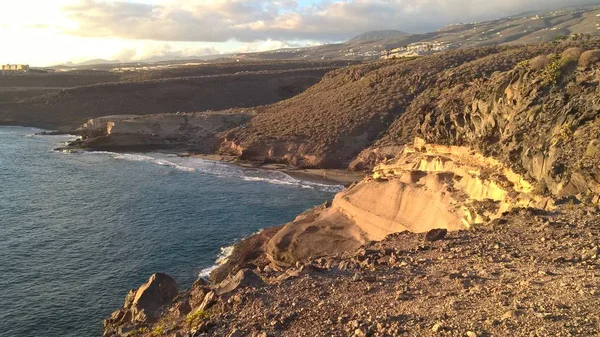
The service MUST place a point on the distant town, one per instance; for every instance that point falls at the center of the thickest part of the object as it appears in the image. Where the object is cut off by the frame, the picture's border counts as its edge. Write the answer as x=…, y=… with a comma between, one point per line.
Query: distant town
x=14, y=68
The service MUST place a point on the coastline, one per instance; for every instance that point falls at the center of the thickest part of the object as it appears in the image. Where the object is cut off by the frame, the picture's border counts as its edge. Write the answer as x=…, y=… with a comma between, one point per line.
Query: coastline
x=321, y=176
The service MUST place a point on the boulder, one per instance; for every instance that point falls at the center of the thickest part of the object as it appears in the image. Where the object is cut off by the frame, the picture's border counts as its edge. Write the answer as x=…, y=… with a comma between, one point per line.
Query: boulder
x=243, y=278
x=154, y=294
x=142, y=305
x=436, y=234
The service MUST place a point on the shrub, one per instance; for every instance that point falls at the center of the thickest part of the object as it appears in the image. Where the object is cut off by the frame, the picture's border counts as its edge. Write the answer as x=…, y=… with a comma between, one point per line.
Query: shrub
x=571, y=54
x=539, y=62
x=588, y=58
x=158, y=331
x=553, y=70
x=195, y=317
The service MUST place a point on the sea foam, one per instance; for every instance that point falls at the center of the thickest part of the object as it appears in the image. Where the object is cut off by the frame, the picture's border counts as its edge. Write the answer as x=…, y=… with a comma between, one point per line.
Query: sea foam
x=222, y=170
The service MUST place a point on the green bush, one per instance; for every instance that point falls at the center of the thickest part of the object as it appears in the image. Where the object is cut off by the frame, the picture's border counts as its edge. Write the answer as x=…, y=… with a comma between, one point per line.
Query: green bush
x=553, y=70
x=195, y=317
x=158, y=331
x=558, y=66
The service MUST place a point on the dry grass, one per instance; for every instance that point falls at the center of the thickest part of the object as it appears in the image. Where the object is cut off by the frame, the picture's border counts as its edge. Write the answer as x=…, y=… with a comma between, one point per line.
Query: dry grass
x=588, y=58
x=539, y=62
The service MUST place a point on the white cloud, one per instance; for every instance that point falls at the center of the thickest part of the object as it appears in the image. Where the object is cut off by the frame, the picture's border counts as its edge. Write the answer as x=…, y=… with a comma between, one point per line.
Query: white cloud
x=56, y=31
x=160, y=52
x=254, y=20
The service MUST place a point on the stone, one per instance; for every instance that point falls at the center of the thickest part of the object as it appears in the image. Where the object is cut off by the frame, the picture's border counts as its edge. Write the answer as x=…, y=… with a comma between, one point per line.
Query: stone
x=183, y=308
x=235, y=333
x=243, y=278
x=152, y=295
x=471, y=334
x=208, y=301
x=436, y=234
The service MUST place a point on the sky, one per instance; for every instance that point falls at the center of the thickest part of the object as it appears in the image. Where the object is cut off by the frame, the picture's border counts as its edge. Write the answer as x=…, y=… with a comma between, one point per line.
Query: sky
x=48, y=32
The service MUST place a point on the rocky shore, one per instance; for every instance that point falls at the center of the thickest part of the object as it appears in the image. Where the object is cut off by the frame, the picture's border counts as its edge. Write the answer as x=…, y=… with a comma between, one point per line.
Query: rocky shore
x=528, y=273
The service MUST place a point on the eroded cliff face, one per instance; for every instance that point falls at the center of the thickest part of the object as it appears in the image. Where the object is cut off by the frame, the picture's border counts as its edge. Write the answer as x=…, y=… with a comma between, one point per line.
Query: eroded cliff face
x=196, y=132
x=463, y=97
x=427, y=186
x=541, y=119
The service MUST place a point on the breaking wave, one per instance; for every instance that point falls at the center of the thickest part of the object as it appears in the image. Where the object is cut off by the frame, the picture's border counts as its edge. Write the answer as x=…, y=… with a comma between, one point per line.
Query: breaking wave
x=198, y=165
x=221, y=259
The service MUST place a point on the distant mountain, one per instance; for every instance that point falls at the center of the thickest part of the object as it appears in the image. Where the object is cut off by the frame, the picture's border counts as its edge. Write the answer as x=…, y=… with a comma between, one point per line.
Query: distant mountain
x=95, y=61
x=519, y=29
x=377, y=35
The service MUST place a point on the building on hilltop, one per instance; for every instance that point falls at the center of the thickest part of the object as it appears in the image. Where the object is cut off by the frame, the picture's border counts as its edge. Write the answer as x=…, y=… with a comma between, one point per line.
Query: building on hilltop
x=15, y=67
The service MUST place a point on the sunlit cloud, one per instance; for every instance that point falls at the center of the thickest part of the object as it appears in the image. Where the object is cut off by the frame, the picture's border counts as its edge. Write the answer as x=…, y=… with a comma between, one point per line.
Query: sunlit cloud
x=56, y=31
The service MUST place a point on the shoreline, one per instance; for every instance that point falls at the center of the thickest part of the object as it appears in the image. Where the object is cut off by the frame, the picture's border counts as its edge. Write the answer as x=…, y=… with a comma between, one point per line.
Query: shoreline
x=321, y=176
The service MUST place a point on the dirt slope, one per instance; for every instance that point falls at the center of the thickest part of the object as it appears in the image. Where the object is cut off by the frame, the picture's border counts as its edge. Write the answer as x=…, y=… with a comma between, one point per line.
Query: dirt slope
x=72, y=107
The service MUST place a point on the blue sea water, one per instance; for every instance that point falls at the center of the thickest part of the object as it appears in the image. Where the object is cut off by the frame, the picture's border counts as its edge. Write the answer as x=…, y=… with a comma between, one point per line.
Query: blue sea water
x=78, y=230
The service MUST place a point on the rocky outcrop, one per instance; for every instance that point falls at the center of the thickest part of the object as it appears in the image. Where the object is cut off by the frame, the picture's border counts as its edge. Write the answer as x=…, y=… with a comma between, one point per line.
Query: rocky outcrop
x=156, y=307
x=101, y=126
x=541, y=119
x=498, y=280
x=142, y=306
x=427, y=186
x=195, y=132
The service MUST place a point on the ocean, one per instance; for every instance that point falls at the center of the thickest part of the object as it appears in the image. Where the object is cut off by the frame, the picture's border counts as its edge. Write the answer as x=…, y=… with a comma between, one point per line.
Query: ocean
x=78, y=230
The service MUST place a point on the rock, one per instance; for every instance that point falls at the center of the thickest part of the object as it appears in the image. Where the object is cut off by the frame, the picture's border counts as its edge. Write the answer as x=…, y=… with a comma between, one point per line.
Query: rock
x=142, y=305
x=235, y=333
x=471, y=334
x=152, y=295
x=243, y=278
x=183, y=308
x=437, y=327
x=208, y=301
x=436, y=234
x=360, y=332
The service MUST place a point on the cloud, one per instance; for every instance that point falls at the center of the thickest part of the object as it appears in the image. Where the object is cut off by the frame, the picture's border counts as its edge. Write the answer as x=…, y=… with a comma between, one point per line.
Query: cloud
x=154, y=52
x=283, y=20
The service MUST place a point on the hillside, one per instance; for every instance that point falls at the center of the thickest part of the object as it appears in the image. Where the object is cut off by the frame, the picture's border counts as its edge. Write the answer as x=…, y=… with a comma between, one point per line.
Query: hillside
x=193, y=88
x=378, y=35
x=526, y=28
x=450, y=98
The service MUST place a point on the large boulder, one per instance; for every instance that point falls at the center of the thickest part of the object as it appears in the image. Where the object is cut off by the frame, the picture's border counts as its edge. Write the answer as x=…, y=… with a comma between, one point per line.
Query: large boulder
x=142, y=305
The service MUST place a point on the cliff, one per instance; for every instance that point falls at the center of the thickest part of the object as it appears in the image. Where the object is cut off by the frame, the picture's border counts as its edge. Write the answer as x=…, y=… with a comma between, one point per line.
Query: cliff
x=533, y=108
x=526, y=273
x=194, y=132
x=482, y=194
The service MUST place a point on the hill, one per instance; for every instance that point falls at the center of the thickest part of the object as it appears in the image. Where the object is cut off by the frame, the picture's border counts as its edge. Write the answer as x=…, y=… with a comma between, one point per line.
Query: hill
x=82, y=95
x=448, y=98
x=378, y=35
x=526, y=28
